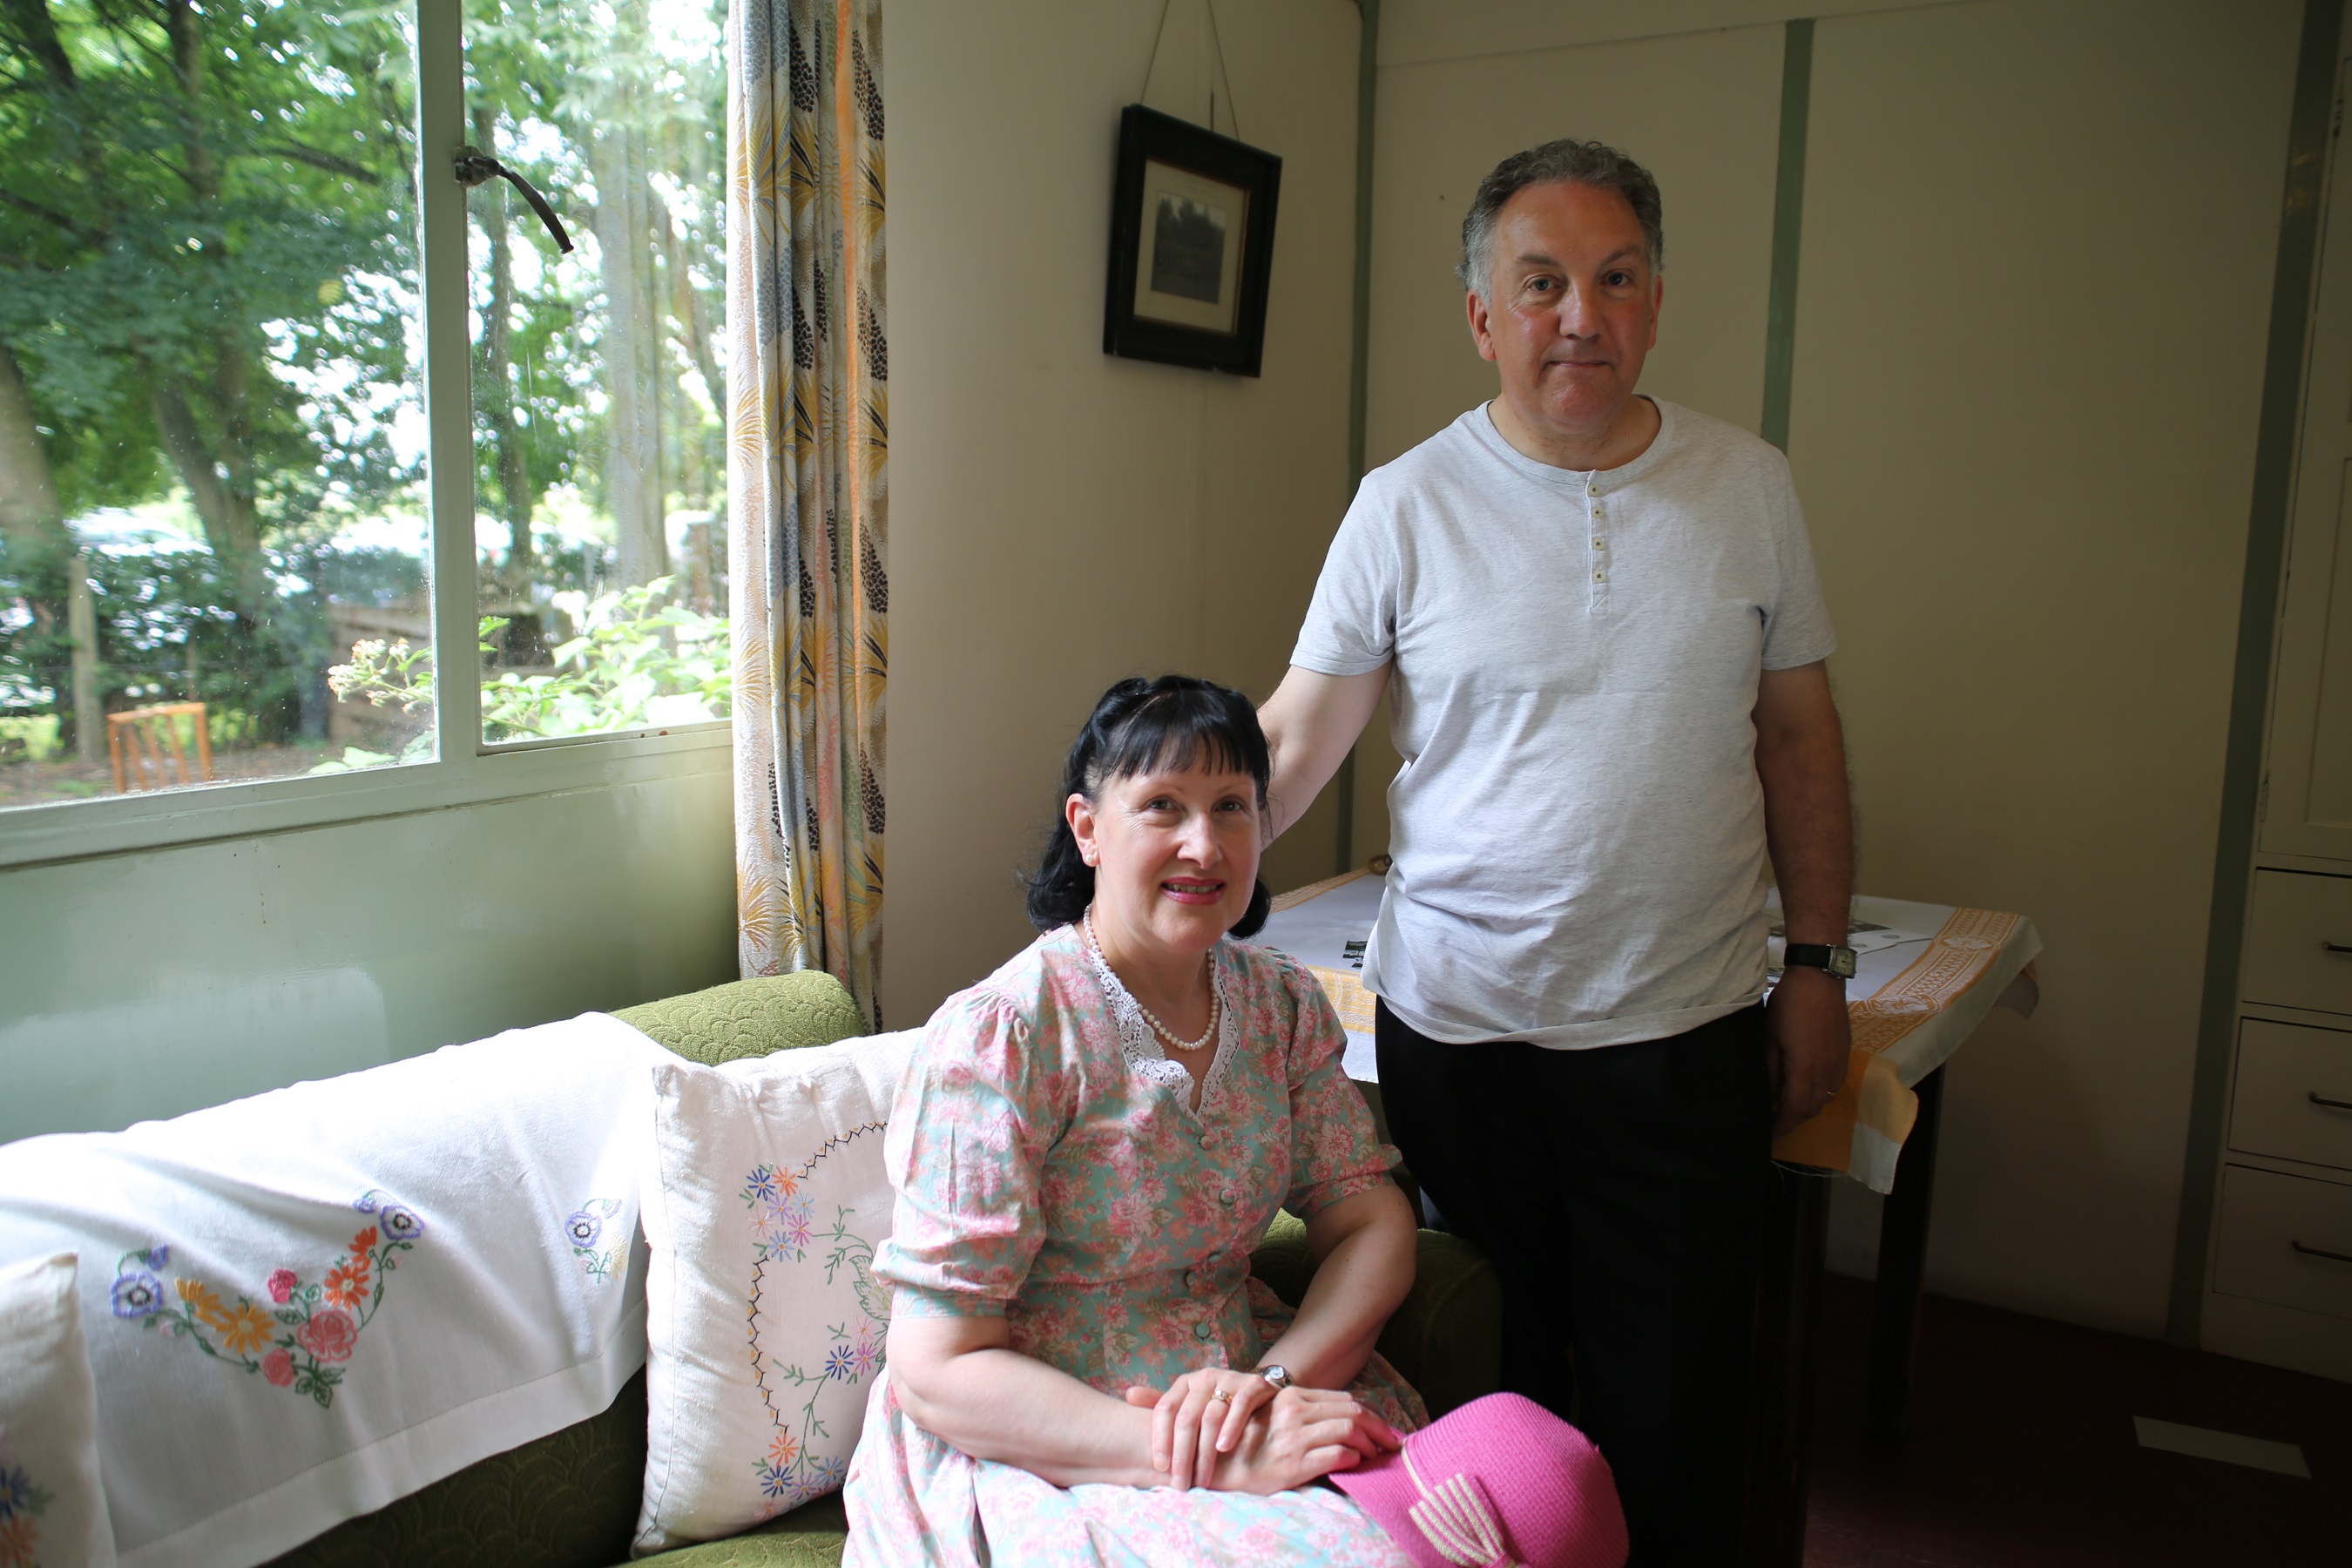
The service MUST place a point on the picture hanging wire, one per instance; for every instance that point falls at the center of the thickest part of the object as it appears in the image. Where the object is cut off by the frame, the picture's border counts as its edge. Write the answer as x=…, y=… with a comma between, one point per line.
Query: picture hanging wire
x=1216, y=54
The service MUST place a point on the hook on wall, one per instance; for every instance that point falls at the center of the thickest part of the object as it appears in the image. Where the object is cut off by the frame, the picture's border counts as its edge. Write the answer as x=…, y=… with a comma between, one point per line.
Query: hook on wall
x=474, y=167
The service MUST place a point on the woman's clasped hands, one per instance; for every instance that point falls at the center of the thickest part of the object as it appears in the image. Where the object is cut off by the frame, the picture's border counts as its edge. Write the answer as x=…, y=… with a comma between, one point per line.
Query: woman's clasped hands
x=1233, y=1431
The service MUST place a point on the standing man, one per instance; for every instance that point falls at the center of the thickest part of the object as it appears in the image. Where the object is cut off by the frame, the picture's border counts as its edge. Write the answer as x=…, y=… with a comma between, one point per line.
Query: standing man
x=1598, y=619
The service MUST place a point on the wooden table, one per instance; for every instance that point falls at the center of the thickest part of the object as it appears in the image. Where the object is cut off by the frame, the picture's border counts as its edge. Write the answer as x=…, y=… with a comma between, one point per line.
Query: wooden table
x=1926, y=977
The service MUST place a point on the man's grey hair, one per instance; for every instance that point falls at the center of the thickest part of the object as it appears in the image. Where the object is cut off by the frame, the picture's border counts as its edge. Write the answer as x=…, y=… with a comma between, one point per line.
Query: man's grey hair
x=1569, y=160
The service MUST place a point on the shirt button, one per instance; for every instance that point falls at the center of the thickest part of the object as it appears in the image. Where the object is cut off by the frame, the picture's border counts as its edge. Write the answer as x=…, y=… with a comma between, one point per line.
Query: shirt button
x=1600, y=576
x=1204, y=1330
x=1599, y=543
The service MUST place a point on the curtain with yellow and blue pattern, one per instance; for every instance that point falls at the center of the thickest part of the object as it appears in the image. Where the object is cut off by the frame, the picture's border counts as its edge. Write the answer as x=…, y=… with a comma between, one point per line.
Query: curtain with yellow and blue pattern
x=808, y=484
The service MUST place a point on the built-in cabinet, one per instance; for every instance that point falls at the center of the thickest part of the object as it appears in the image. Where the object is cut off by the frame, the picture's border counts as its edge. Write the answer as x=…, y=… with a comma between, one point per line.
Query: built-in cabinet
x=2278, y=1287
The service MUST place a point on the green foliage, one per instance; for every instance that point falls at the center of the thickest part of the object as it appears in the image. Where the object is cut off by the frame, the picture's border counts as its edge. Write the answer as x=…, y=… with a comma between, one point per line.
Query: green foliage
x=637, y=663
x=31, y=738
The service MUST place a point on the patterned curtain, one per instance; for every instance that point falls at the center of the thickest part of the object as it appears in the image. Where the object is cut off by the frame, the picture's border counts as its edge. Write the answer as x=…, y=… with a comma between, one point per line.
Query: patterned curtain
x=808, y=427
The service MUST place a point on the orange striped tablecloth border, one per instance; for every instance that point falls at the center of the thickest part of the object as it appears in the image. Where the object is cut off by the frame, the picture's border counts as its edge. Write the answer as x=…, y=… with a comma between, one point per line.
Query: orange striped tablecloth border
x=1957, y=956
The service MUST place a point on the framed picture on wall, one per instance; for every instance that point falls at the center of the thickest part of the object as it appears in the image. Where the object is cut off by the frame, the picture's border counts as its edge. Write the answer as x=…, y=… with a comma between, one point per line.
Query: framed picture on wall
x=1191, y=243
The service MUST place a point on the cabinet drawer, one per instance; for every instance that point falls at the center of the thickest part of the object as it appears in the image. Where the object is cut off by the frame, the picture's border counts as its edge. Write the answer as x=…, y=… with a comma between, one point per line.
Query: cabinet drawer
x=2281, y=1068
x=2296, y=917
x=2265, y=1217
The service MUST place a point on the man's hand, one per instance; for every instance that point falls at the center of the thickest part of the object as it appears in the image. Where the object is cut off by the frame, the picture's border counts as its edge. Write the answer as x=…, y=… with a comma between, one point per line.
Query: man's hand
x=1806, y=1021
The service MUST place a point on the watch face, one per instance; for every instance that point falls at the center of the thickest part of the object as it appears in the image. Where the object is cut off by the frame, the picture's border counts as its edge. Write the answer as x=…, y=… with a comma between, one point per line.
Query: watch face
x=1842, y=962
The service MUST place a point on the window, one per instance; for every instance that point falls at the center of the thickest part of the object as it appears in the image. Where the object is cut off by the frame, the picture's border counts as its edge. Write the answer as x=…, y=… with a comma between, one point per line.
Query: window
x=288, y=416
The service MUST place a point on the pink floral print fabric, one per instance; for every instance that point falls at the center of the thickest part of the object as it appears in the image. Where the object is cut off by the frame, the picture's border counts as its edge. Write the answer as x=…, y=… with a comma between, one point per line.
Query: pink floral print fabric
x=1049, y=1171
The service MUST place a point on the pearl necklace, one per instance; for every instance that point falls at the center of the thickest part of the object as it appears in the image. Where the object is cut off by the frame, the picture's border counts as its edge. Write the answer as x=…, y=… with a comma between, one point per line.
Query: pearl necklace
x=1162, y=1030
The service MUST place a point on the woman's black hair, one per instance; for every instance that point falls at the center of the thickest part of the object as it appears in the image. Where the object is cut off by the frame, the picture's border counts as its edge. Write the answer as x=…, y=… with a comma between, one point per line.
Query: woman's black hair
x=1175, y=721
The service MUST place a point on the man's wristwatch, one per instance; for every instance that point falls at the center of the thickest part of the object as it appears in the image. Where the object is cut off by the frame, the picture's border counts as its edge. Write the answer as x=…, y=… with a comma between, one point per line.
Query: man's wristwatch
x=1837, y=960
x=1278, y=1376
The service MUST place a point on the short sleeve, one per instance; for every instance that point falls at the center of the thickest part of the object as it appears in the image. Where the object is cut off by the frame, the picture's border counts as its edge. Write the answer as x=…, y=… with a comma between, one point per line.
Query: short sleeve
x=970, y=1131
x=1334, y=1153
x=1350, y=625
x=1797, y=627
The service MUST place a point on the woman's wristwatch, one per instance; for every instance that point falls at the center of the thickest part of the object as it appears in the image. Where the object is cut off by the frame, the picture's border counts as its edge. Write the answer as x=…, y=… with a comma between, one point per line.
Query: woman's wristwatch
x=1279, y=1377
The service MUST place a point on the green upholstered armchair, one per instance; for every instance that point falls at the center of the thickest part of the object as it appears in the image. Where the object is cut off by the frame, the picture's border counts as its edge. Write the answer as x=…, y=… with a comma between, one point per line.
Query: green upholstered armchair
x=570, y=1500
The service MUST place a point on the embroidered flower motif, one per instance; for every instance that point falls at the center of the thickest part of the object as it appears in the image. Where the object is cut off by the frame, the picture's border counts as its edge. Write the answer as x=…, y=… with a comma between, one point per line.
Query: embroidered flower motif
x=331, y=1335
x=347, y=1283
x=313, y=1330
x=19, y=1495
x=138, y=1295
x=21, y=1503
x=245, y=1329
x=789, y=1235
x=584, y=1228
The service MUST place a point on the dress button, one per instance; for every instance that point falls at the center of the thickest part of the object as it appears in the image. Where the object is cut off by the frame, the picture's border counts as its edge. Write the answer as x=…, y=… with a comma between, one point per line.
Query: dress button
x=1204, y=1330
x=1226, y=1196
x=1192, y=1279
x=1208, y=1140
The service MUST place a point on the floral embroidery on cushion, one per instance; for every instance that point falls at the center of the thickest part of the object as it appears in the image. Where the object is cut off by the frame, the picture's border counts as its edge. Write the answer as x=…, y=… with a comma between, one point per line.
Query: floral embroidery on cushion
x=306, y=1335
x=785, y=1231
x=584, y=1227
x=22, y=1503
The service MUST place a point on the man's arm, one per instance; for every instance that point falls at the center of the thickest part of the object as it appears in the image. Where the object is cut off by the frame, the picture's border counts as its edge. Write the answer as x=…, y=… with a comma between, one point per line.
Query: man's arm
x=1809, y=828
x=1310, y=721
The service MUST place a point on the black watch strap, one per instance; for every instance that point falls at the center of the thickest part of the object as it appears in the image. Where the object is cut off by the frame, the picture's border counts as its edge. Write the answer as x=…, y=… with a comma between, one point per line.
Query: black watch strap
x=1837, y=960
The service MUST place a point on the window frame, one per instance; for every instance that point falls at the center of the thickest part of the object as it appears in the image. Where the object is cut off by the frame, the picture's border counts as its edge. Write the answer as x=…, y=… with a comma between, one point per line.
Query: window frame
x=466, y=770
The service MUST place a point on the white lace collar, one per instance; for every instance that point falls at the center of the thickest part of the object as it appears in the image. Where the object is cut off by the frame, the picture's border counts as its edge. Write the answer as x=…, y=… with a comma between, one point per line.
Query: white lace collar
x=1140, y=1043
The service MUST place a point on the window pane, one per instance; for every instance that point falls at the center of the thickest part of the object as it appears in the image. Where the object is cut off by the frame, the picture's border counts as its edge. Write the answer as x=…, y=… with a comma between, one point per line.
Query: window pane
x=599, y=376
x=211, y=430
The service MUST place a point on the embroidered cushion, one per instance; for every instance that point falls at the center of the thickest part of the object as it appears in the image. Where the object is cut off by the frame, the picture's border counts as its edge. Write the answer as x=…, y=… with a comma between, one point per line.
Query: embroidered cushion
x=52, y=1510
x=301, y=1306
x=765, y=1326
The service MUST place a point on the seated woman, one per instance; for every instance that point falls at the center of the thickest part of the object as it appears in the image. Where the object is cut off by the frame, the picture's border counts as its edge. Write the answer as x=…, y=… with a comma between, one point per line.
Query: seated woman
x=1087, y=1146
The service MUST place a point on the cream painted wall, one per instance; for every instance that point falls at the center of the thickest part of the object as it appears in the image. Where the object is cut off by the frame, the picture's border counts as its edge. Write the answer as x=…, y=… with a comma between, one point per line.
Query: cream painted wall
x=146, y=984
x=2037, y=259
x=1702, y=112
x=2029, y=502
x=1060, y=519
x=1413, y=32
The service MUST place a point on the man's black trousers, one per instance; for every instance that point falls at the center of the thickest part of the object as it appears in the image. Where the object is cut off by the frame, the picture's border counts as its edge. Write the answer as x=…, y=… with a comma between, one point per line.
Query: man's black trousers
x=1619, y=1191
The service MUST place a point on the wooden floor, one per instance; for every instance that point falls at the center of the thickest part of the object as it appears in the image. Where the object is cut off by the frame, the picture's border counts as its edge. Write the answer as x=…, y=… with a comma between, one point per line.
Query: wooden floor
x=2023, y=1453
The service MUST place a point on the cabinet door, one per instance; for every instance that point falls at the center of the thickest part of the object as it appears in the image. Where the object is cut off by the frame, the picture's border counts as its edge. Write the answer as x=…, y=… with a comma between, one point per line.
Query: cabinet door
x=2308, y=809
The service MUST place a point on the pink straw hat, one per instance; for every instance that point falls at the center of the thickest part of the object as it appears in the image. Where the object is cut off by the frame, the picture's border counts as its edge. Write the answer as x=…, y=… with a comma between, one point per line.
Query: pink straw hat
x=1499, y=1483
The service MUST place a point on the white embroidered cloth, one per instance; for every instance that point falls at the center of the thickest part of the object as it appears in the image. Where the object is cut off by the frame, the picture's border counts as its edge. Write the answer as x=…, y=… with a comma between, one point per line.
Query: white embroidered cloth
x=301, y=1306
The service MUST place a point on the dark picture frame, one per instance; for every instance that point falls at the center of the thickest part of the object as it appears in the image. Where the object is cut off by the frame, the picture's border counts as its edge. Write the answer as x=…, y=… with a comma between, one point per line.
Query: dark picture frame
x=1191, y=245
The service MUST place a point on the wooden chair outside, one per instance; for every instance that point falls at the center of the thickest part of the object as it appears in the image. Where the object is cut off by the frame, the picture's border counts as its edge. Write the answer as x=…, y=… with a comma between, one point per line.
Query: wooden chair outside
x=144, y=745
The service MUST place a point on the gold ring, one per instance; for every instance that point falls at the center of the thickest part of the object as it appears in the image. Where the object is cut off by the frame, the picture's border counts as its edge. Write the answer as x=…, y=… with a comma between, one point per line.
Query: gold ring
x=1220, y=1396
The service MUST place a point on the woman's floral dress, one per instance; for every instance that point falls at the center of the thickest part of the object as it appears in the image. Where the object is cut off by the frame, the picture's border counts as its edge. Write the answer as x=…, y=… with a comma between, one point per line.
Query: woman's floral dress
x=1050, y=1170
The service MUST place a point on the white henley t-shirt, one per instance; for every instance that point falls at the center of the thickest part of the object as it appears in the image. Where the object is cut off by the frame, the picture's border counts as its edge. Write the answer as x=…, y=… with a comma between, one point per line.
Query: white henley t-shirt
x=1578, y=828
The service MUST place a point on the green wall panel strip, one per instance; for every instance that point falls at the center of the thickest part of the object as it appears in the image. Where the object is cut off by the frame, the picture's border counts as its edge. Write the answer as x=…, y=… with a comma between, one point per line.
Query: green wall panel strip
x=2291, y=298
x=1788, y=230
x=1360, y=374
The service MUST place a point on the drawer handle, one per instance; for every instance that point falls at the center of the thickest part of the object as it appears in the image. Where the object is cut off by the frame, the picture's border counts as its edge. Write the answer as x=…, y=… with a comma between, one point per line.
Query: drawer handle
x=2320, y=1252
x=2336, y=946
x=2318, y=1098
